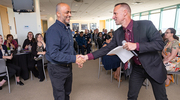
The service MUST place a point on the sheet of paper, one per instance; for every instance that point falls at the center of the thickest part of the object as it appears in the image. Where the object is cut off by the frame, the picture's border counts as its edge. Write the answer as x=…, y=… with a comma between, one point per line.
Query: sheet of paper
x=123, y=54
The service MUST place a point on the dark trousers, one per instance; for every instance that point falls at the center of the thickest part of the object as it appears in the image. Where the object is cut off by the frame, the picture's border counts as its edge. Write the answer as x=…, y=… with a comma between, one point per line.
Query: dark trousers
x=81, y=49
x=36, y=72
x=137, y=78
x=13, y=70
x=88, y=48
x=61, y=80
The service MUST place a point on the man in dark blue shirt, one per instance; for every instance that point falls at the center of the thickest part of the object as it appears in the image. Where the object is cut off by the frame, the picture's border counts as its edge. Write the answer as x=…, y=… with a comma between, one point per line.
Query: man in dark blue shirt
x=60, y=53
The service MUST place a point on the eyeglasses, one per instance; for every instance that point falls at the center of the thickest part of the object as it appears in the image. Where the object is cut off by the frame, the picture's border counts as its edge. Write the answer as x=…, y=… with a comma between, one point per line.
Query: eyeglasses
x=167, y=32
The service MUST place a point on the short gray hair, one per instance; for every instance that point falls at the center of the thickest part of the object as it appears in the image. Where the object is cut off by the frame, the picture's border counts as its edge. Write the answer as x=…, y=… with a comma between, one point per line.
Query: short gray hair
x=124, y=5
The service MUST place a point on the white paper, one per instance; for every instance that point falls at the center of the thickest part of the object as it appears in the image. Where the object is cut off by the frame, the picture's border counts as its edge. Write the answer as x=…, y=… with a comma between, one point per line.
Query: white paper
x=123, y=54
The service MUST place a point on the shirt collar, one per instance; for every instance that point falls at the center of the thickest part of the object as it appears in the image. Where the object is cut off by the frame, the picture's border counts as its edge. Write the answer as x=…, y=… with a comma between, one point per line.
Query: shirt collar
x=62, y=25
x=130, y=26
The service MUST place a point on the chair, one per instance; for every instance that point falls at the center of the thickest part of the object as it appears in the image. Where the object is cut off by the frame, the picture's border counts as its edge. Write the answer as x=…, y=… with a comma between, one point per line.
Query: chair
x=176, y=76
x=4, y=72
x=43, y=62
x=120, y=74
x=100, y=69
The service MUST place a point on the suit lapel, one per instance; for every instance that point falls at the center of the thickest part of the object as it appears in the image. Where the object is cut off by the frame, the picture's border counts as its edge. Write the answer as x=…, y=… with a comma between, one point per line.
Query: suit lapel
x=121, y=35
x=136, y=33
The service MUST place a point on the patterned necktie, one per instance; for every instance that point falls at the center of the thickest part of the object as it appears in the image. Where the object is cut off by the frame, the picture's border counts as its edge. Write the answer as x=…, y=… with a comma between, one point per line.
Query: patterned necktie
x=127, y=40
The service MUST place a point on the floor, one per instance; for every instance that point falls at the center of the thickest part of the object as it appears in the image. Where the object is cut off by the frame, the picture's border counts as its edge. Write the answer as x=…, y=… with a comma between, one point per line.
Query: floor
x=86, y=86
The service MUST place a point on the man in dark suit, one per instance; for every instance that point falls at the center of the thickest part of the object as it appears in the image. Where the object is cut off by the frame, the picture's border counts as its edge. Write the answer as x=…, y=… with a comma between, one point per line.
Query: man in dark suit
x=143, y=38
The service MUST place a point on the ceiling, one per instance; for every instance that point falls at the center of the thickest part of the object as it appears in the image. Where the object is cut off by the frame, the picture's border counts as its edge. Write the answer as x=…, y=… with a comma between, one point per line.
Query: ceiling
x=96, y=9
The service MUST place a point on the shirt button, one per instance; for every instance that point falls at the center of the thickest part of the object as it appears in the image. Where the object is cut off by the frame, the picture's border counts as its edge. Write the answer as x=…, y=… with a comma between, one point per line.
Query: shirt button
x=130, y=40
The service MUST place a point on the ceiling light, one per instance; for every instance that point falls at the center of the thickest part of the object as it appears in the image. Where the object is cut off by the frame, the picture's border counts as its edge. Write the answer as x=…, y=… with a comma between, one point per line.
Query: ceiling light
x=135, y=3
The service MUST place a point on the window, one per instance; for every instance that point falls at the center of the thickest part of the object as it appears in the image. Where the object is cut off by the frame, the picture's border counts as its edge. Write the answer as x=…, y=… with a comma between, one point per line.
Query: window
x=155, y=19
x=144, y=16
x=136, y=17
x=178, y=26
x=111, y=25
x=168, y=18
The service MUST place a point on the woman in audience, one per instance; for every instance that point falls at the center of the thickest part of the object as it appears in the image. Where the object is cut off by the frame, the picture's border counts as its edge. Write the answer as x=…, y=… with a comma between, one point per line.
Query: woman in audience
x=12, y=69
x=10, y=42
x=99, y=40
x=29, y=41
x=38, y=50
x=169, y=53
x=110, y=34
x=111, y=61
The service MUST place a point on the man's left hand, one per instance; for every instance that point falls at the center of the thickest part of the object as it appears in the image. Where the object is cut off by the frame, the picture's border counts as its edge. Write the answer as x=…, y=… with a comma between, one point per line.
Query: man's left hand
x=130, y=46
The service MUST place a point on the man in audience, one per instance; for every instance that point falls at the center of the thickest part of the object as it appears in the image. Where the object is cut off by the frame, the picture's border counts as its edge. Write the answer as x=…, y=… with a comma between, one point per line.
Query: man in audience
x=96, y=36
x=87, y=36
x=60, y=53
x=81, y=42
x=103, y=31
x=104, y=35
x=143, y=38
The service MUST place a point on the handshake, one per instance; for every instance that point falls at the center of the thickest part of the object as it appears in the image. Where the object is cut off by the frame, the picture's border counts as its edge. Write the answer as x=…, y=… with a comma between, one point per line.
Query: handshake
x=80, y=59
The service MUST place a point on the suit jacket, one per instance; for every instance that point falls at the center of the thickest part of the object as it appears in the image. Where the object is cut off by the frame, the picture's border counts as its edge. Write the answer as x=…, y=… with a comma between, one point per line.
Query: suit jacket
x=150, y=42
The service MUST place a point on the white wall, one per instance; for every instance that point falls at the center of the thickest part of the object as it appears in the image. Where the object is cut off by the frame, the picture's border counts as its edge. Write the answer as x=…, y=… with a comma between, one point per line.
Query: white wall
x=51, y=20
x=31, y=20
x=84, y=22
x=1, y=32
x=11, y=22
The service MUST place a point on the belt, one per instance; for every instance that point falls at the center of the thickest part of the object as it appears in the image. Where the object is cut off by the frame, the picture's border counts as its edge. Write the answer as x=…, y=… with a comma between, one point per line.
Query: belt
x=60, y=64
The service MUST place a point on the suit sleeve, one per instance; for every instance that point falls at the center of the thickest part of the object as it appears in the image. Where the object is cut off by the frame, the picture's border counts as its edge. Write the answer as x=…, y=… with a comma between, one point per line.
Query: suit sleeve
x=155, y=42
x=104, y=50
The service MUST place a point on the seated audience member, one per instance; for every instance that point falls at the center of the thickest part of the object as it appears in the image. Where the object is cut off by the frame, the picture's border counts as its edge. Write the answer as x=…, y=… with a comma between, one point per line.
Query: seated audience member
x=111, y=61
x=87, y=36
x=10, y=42
x=160, y=31
x=169, y=53
x=76, y=34
x=163, y=37
x=99, y=40
x=81, y=42
x=110, y=34
x=29, y=41
x=12, y=69
x=38, y=50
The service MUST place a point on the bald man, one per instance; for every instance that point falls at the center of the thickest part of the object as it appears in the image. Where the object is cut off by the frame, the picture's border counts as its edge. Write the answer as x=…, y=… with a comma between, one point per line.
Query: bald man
x=60, y=53
x=143, y=38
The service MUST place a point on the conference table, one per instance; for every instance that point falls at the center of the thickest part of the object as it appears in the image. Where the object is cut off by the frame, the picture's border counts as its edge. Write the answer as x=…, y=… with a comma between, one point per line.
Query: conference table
x=21, y=59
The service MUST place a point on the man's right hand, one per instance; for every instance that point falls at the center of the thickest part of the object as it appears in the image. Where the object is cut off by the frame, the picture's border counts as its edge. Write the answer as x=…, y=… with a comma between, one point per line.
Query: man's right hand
x=80, y=59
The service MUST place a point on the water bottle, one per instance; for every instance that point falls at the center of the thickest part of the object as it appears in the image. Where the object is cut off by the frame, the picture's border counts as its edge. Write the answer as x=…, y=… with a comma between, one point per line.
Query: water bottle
x=9, y=52
x=19, y=48
x=11, y=48
x=29, y=47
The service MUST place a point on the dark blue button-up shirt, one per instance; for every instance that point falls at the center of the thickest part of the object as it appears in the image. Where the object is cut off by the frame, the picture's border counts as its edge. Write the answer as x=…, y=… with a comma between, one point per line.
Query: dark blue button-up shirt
x=59, y=44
